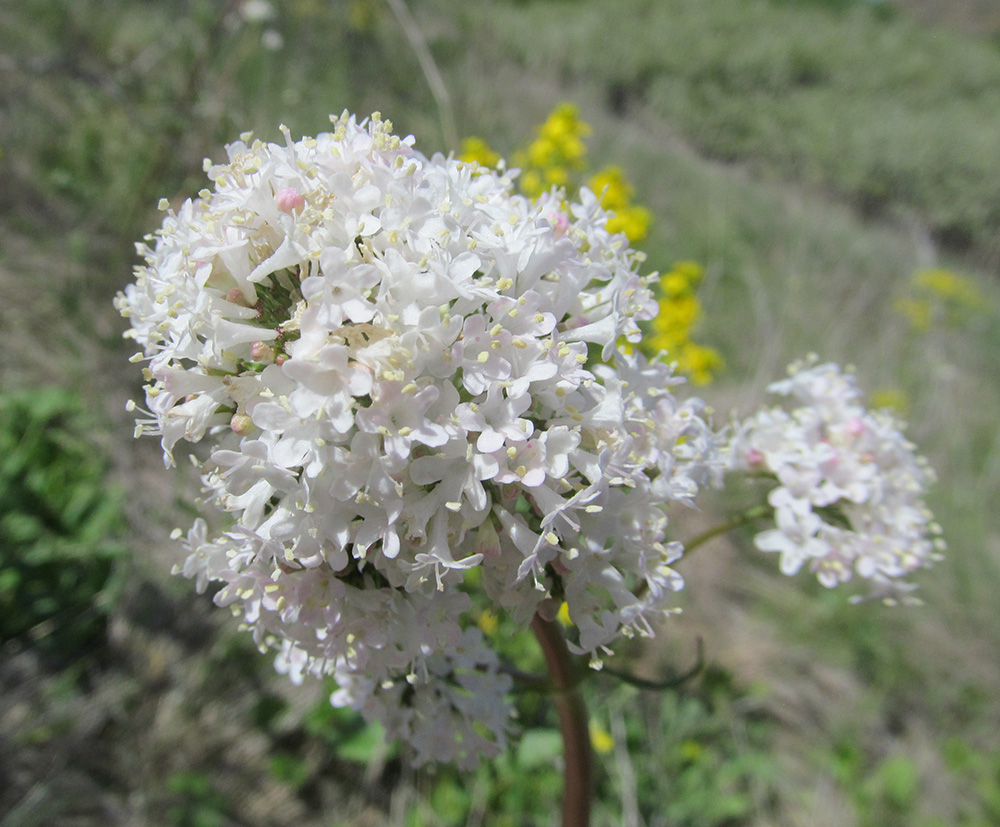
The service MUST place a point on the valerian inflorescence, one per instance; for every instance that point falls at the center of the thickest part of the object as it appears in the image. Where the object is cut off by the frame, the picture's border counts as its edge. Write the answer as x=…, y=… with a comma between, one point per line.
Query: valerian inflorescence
x=406, y=373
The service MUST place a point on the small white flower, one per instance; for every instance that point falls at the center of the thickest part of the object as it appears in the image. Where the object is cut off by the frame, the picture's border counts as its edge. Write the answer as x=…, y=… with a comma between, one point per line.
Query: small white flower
x=849, y=498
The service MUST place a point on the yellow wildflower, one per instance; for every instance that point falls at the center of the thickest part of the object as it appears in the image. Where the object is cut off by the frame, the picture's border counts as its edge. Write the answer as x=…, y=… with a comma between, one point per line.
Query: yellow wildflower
x=615, y=191
x=488, y=622
x=476, y=150
x=893, y=399
x=600, y=738
x=699, y=362
x=633, y=222
x=531, y=184
x=563, y=615
x=940, y=297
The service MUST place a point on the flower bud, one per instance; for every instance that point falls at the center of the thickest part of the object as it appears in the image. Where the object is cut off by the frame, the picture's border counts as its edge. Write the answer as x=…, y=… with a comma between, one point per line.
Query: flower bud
x=289, y=200
x=487, y=540
x=241, y=424
x=560, y=223
x=237, y=296
x=262, y=352
x=855, y=426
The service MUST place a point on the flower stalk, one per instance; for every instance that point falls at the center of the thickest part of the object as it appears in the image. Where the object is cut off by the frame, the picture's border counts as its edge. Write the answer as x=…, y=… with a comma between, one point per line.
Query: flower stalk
x=751, y=515
x=572, y=711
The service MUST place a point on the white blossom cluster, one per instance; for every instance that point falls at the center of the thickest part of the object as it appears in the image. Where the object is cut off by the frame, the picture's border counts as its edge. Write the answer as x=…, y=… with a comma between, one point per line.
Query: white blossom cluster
x=849, y=498
x=404, y=371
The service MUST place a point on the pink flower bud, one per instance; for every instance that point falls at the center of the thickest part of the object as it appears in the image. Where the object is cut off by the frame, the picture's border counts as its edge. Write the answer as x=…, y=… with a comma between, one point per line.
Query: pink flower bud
x=855, y=427
x=560, y=223
x=289, y=200
x=755, y=457
x=237, y=296
x=281, y=358
x=487, y=540
x=262, y=352
x=241, y=424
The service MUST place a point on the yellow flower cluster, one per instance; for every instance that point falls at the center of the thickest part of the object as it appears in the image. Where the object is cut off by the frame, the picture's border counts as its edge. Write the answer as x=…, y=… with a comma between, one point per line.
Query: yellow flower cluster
x=893, y=399
x=630, y=219
x=558, y=157
x=600, y=739
x=671, y=330
x=477, y=151
x=940, y=297
x=556, y=154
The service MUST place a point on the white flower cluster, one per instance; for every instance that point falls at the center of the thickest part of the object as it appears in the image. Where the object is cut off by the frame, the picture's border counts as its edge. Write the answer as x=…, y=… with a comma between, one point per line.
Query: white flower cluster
x=405, y=371
x=850, y=488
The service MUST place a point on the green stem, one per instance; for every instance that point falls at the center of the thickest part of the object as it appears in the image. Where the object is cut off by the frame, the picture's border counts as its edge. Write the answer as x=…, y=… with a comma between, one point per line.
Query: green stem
x=749, y=516
x=573, y=722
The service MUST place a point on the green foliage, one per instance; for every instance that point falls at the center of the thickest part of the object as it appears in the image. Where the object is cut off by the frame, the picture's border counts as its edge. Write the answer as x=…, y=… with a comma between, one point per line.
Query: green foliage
x=346, y=734
x=196, y=802
x=58, y=519
x=883, y=793
x=706, y=764
x=522, y=788
x=978, y=774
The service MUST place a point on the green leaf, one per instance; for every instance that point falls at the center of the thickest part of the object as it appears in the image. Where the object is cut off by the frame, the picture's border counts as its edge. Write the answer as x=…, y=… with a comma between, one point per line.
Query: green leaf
x=539, y=747
x=363, y=746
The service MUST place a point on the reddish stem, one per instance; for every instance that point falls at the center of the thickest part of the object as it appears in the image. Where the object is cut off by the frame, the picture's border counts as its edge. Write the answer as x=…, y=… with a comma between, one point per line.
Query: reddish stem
x=573, y=722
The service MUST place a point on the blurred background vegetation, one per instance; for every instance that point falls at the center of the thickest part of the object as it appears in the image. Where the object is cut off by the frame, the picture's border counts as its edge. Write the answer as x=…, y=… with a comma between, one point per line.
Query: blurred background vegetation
x=831, y=167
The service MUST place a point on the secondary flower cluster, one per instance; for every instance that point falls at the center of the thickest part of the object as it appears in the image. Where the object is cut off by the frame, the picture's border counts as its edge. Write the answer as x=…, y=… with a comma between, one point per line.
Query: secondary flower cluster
x=406, y=371
x=849, y=494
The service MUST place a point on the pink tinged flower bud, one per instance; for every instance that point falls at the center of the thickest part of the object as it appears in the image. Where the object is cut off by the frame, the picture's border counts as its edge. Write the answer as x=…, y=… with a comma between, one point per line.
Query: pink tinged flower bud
x=262, y=352
x=289, y=200
x=487, y=540
x=281, y=358
x=560, y=223
x=241, y=424
x=237, y=296
x=755, y=457
x=855, y=427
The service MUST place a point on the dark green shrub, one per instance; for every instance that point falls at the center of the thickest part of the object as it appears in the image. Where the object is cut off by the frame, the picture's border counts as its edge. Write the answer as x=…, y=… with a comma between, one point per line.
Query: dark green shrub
x=58, y=519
